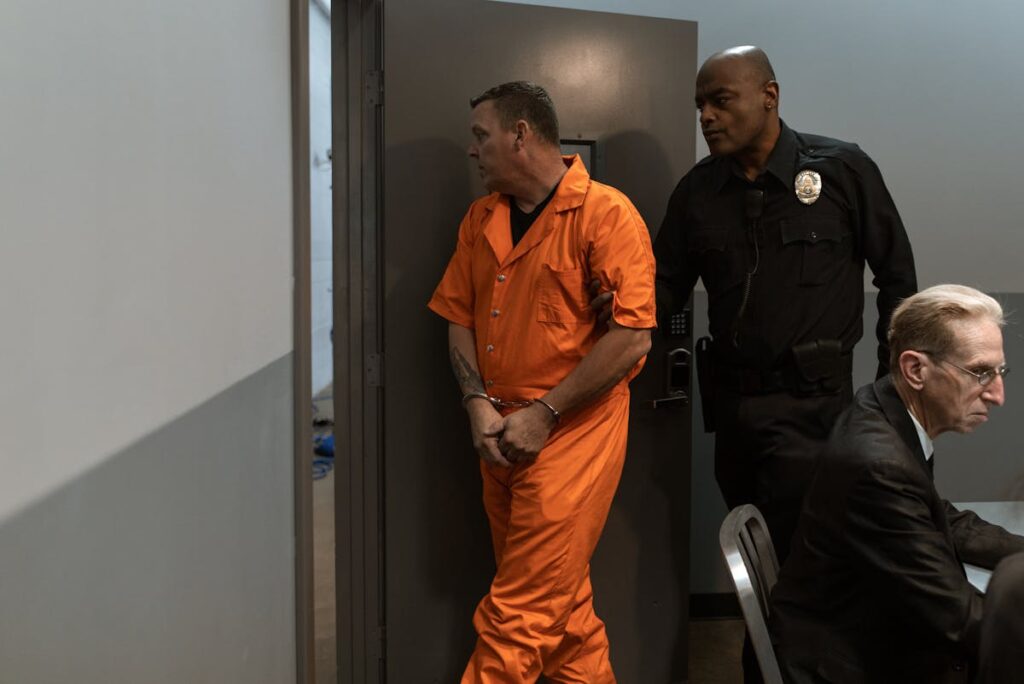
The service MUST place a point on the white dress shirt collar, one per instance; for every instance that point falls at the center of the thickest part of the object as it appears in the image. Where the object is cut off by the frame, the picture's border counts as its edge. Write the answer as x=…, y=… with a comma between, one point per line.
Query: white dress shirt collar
x=926, y=442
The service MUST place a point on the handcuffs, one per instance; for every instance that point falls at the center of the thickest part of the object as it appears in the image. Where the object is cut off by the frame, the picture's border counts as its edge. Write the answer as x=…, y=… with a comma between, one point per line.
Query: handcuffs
x=518, y=403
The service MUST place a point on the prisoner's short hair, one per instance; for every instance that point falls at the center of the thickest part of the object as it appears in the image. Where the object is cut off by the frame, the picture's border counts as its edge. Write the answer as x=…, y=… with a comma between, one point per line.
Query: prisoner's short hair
x=924, y=321
x=523, y=100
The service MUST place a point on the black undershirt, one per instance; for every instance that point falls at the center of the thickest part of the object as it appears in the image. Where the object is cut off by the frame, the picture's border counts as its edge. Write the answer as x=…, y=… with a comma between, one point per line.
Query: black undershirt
x=521, y=221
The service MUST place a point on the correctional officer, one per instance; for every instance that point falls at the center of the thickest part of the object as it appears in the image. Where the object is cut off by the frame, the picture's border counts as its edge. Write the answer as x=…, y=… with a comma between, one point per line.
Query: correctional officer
x=545, y=384
x=778, y=225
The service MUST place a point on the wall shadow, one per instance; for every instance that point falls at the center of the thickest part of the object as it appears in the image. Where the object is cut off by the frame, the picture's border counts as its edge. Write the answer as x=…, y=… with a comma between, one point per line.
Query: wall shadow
x=172, y=561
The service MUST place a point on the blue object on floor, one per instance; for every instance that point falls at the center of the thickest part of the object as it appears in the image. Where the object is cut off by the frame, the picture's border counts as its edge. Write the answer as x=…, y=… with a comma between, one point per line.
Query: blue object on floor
x=323, y=445
x=322, y=466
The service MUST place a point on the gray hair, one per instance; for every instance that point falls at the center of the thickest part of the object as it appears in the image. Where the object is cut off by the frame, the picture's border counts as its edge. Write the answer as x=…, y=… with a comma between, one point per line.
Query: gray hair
x=922, y=322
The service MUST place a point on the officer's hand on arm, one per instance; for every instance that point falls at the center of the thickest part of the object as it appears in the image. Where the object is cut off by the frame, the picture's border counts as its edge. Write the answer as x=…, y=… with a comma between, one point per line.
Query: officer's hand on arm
x=526, y=432
x=486, y=426
x=601, y=302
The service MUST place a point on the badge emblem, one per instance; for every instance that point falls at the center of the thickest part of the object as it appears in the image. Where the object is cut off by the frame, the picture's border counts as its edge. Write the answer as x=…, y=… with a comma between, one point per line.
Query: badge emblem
x=808, y=186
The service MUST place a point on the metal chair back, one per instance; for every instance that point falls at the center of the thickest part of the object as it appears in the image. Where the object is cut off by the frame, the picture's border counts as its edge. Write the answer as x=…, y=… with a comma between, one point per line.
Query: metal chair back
x=754, y=568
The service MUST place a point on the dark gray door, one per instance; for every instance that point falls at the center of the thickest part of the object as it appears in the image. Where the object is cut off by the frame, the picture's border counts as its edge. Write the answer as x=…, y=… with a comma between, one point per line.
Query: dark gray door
x=626, y=82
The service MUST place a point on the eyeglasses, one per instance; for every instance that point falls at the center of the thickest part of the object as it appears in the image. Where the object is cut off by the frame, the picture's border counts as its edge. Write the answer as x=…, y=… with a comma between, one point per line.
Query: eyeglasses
x=984, y=377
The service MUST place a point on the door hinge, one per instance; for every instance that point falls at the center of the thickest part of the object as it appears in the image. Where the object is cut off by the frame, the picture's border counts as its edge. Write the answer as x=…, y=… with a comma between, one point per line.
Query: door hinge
x=374, y=87
x=375, y=370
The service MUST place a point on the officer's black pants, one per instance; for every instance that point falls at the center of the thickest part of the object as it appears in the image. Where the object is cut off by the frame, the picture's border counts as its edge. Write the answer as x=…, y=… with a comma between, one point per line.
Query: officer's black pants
x=765, y=449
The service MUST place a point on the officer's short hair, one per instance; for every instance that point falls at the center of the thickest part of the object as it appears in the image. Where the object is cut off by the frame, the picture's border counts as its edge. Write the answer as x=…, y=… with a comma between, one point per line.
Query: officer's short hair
x=922, y=322
x=523, y=100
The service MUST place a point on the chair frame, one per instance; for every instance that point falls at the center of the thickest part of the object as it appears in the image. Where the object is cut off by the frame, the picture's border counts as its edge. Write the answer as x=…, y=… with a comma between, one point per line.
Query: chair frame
x=753, y=568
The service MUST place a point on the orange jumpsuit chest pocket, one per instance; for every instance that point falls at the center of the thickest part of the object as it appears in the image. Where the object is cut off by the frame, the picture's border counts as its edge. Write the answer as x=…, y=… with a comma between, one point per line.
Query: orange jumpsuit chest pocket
x=562, y=296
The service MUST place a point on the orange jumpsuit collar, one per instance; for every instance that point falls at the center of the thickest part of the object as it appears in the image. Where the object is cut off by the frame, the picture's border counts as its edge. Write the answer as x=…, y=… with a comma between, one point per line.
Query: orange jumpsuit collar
x=571, y=192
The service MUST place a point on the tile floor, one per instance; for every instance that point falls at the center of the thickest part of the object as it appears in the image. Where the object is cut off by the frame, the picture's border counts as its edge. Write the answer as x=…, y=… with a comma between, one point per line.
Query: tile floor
x=324, y=617
x=715, y=650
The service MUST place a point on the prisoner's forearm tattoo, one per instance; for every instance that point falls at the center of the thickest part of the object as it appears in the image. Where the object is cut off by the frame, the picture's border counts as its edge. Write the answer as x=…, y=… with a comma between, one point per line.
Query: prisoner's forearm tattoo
x=468, y=378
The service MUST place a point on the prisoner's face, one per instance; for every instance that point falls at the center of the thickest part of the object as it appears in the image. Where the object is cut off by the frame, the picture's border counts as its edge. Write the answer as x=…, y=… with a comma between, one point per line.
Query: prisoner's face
x=493, y=147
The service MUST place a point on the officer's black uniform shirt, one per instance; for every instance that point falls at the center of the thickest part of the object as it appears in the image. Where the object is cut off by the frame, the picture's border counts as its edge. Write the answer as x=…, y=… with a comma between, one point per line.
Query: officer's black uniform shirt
x=809, y=279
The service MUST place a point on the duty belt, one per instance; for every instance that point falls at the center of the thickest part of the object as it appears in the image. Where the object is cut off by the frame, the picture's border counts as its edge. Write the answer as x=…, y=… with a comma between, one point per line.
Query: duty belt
x=765, y=381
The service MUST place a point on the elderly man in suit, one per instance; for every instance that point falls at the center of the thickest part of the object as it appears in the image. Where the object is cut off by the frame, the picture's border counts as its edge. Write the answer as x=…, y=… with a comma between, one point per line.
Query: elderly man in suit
x=874, y=589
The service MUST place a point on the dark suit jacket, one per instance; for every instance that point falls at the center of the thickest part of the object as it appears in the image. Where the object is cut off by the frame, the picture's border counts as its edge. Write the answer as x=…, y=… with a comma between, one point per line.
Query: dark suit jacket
x=874, y=589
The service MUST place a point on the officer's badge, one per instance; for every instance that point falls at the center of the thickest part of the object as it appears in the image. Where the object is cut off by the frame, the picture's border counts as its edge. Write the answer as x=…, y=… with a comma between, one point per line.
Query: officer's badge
x=808, y=186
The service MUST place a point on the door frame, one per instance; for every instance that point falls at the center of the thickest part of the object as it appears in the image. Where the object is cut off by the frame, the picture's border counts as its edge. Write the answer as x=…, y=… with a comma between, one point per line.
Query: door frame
x=357, y=140
x=302, y=366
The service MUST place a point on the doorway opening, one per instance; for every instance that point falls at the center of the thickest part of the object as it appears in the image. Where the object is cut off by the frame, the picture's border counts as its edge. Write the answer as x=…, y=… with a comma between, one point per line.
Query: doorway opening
x=321, y=335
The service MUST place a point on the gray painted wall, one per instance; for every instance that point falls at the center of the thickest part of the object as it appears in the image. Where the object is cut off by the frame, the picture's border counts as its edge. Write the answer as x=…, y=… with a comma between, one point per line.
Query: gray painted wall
x=171, y=562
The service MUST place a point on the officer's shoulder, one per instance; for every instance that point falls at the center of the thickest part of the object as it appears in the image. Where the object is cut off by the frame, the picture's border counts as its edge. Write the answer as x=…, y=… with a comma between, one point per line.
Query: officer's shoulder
x=823, y=146
x=705, y=162
x=700, y=171
x=849, y=154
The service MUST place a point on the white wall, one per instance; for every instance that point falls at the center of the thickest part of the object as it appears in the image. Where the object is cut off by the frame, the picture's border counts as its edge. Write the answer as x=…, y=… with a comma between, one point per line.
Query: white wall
x=320, y=195
x=145, y=221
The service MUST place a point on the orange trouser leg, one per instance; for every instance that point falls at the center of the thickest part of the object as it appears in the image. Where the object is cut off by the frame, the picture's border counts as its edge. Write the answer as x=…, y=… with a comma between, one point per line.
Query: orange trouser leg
x=582, y=657
x=546, y=518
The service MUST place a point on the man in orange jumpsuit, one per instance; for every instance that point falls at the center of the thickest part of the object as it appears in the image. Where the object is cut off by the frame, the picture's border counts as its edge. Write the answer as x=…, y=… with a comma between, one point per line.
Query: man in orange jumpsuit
x=545, y=385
